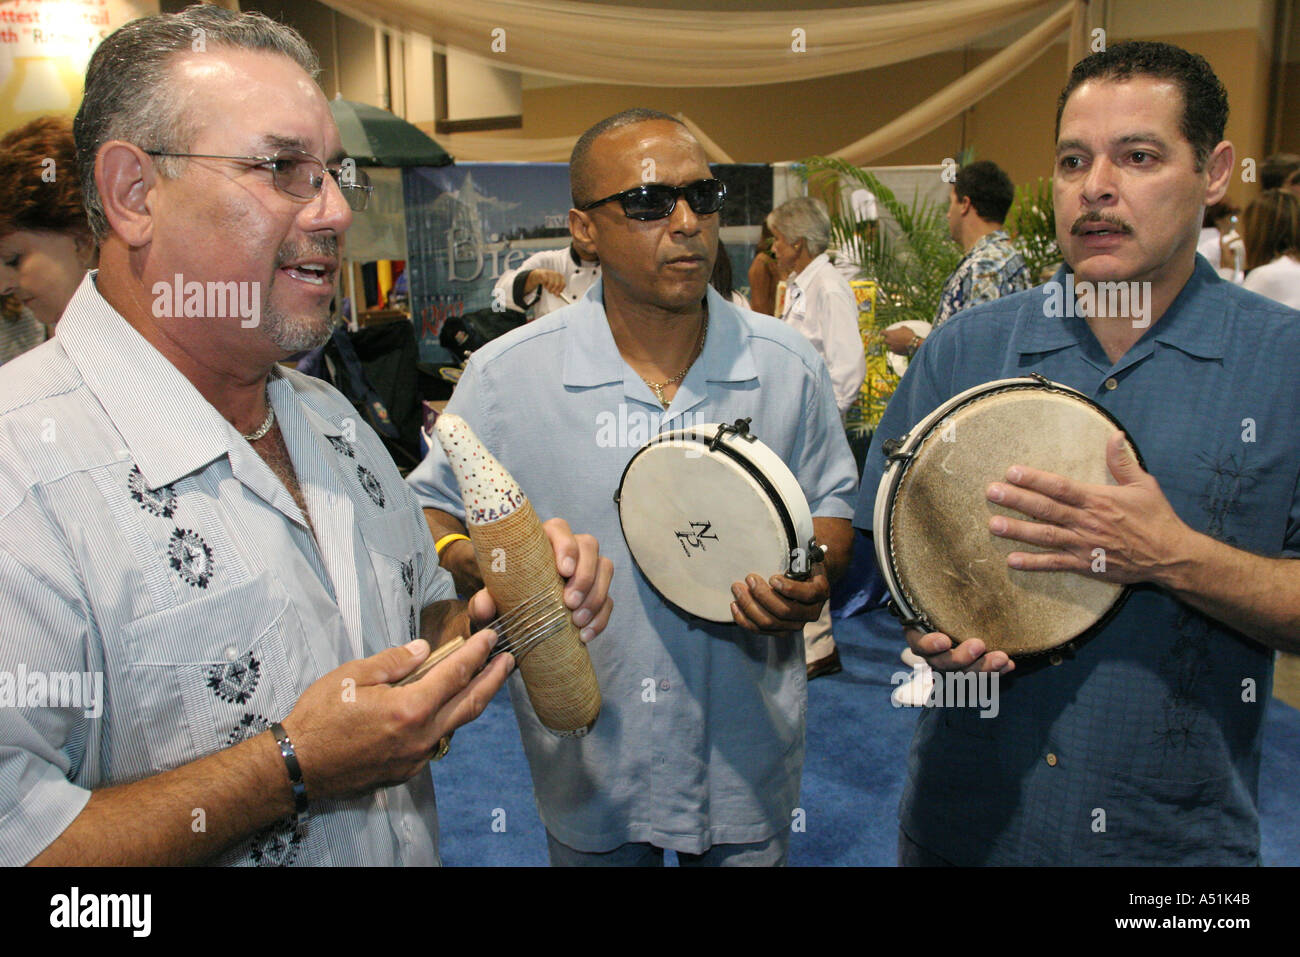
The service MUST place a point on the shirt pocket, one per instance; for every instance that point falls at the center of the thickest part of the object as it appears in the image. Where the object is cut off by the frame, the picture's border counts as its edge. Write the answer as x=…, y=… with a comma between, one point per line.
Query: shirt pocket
x=212, y=672
x=396, y=564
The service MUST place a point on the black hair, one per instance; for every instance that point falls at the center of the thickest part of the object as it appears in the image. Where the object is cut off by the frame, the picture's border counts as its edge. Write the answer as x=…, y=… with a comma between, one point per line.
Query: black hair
x=1205, y=101
x=987, y=187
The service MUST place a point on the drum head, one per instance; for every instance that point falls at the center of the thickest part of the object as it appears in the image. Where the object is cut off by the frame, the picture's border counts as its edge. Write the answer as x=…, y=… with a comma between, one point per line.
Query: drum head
x=697, y=521
x=951, y=568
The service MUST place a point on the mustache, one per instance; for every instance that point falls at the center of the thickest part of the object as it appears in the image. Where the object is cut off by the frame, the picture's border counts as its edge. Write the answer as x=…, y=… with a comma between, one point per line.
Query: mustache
x=313, y=246
x=1076, y=229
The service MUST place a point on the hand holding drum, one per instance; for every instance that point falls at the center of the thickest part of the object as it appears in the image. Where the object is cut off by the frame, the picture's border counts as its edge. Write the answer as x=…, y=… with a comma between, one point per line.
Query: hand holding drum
x=945, y=570
x=517, y=565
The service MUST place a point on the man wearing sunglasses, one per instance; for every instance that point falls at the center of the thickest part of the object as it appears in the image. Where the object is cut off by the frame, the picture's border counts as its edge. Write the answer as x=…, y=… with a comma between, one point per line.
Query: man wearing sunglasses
x=212, y=565
x=699, y=746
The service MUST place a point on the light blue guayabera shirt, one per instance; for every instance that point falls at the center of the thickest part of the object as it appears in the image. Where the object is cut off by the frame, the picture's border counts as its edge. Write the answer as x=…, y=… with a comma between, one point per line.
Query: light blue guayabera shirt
x=700, y=738
x=1153, y=726
x=144, y=541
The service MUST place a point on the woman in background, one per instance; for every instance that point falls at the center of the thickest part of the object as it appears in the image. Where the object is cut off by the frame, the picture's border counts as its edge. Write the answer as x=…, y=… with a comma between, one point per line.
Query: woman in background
x=1272, y=236
x=721, y=279
x=45, y=242
x=763, y=276
x=19, y=330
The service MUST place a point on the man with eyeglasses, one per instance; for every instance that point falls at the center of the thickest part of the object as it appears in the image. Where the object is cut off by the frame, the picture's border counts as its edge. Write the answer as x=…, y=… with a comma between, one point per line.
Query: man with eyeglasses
x=211, y=573
x=699, y=746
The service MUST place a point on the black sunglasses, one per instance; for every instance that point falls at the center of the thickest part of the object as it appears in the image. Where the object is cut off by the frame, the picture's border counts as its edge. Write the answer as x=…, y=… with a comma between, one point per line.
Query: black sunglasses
x=655, y=200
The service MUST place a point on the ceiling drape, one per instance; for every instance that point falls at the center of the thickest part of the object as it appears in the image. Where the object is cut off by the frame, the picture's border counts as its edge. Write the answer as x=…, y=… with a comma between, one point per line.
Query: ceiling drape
x=688, y=48
x=942, y=106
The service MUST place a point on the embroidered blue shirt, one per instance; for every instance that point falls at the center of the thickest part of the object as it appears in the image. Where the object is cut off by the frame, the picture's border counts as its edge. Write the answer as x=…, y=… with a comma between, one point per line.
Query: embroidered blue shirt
x=1154, y=724
x=143, y=541
x=991, y=269
x=700, y=737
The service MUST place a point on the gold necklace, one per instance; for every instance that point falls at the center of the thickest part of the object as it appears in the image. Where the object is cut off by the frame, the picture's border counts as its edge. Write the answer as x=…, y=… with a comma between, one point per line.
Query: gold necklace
x=659, y=387
x=266, y=423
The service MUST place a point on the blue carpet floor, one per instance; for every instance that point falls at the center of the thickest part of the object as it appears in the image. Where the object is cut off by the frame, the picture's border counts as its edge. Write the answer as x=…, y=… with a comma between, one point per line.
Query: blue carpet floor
x=853, y=775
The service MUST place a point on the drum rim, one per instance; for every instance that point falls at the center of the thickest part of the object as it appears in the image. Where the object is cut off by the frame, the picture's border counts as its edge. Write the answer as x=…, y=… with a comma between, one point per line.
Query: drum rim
x=902, y=603
x=704, y=435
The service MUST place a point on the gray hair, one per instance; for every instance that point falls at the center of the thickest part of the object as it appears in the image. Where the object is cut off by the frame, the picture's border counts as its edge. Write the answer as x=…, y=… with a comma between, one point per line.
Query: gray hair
x=803, y=218
x=130, y=94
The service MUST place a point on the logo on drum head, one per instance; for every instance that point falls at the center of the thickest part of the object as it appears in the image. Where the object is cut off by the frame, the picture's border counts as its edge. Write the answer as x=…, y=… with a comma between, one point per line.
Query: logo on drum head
x=695, y=537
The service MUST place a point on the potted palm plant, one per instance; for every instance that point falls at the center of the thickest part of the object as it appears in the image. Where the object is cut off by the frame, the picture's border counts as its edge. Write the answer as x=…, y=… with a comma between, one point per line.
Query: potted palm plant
x=908, y=255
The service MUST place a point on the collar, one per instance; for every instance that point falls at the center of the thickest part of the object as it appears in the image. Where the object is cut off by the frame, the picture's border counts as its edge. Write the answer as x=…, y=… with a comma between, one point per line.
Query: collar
x=1194, y=321
x=1190, y=324
x=591, y=357
x=988, y=239
x=169, y=429
x=809, y=272
x=573, y=255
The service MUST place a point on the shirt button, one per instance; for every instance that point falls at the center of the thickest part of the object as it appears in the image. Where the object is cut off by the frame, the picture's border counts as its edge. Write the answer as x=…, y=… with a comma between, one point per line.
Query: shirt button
x=665, y=684
x=1055, y=659
x=1111, y=384
x=1051, y=760
x=231, y=652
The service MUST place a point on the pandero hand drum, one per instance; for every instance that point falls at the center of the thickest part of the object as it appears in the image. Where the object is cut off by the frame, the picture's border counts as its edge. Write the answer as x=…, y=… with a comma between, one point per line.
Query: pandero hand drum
x=703, y=507
x=945, y=570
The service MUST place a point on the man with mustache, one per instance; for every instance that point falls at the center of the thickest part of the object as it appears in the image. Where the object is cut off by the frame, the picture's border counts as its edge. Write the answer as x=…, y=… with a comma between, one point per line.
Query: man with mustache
x=699, y=746
x=219, y=543
x=1142, y=745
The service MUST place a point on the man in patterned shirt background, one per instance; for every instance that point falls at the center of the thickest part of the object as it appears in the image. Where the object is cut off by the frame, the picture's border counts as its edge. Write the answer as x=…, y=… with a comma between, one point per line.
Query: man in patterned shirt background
x=992, y=266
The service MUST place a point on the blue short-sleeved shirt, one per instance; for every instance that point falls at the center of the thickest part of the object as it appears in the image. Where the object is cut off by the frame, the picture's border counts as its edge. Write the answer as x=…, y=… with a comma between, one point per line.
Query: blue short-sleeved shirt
x=700, y=738
x=1154, y=724
x=145, y=546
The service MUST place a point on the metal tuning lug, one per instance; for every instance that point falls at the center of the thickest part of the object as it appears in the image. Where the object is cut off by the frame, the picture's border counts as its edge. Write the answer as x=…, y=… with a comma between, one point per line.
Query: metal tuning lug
x=740, y=428
x=891, y=446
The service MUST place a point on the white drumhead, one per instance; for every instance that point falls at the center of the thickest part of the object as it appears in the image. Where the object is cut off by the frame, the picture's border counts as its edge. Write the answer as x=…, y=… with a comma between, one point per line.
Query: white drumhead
x=697, y=521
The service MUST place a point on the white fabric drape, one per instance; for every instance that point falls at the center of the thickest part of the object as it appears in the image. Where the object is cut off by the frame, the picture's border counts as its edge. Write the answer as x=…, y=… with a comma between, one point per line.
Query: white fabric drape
x=961, y=94
x=915, y=123
x=493, y=148
x=690, y=48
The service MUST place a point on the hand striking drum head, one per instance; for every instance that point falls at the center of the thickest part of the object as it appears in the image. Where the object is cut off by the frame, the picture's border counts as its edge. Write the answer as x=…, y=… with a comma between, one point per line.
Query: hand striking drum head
x=699, y=515
x=942, y=564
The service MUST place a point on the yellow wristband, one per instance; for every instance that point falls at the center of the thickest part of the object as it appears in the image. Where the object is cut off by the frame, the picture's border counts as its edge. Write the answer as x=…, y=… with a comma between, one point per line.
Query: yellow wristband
x=446, y=540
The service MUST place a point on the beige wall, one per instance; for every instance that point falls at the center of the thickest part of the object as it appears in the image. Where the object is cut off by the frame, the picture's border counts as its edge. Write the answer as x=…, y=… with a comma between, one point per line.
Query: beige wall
x=1013, y=126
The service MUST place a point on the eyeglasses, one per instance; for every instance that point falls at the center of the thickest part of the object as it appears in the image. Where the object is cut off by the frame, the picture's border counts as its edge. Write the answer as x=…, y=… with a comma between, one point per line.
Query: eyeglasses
x=655, y=200
x=300, y=174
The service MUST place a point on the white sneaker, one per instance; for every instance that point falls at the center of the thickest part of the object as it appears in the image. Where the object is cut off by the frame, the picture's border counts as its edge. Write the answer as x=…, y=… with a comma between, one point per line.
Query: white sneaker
x=914, y=693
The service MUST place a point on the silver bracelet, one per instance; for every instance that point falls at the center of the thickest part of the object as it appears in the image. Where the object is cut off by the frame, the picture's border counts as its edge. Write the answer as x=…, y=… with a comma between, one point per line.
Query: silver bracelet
x=295, y=771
